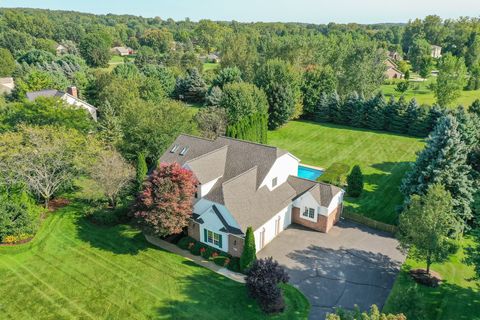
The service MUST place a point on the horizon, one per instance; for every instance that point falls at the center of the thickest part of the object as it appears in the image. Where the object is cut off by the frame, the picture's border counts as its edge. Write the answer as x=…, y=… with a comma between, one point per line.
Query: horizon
x=320, y=12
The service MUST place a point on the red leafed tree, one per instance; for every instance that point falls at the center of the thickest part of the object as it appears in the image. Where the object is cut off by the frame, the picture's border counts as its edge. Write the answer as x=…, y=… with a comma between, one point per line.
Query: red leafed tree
x=166, y=202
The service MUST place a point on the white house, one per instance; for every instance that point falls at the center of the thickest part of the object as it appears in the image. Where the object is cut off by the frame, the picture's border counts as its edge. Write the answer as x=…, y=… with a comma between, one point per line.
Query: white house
x=436, y=51
x=244, y=184
x=70, y=97
x=6, y=85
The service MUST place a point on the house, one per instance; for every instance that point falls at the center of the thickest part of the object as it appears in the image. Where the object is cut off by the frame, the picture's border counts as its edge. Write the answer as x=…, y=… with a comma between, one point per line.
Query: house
x=244, y=184
x=210, y=58
x=395, y=56
x=60, y=49
x=70, y=97
x=392, y=70
x=436, y=51
x=122, y=51
x=6, y=85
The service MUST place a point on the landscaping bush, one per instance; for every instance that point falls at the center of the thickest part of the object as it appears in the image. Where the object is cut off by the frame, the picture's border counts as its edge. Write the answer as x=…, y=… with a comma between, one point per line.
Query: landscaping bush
x=336, y=174
x=234, y=264
x=185, y=242
x=355, y=182
x=195, y=249
x=249, y=251
x=263, y=279
x=221, y=261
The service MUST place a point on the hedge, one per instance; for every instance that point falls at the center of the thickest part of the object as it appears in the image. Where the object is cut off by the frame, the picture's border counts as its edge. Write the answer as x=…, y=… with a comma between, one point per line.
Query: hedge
x=336, y=174
x=251, y=128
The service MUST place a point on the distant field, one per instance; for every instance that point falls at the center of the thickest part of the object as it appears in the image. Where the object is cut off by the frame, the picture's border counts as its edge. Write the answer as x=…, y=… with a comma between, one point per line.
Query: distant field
x=424, y=95
x=383, y=157
x=458, y=297
x=210, y=66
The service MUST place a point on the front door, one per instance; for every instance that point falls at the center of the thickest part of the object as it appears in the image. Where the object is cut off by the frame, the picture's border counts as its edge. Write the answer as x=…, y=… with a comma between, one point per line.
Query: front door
x=277, y=226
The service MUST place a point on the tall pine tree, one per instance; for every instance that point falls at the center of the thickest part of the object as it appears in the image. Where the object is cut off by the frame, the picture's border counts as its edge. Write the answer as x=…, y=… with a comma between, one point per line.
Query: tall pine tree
x=375, y=112
x=444, y=161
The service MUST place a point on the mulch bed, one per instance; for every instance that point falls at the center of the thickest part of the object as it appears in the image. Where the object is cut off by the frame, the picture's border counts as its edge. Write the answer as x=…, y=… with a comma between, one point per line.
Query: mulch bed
x=421, y=276
x=58, y=203
x=14, y=244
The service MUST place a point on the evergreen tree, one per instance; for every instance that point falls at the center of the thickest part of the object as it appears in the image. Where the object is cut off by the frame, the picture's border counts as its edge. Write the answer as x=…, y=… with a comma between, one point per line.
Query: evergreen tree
x=322, y=110
x=468, y=128
x=249, y=251
x=358, y=116
x=434, y=113
x=355, y=182
x=192, y=87
x=316, y=80
x=375, y=112
x=411, y=116
x=349, y=108
x=420, y=126
x=334, y=107
x=390, y=111
x=213, y=97
x=141, y=170
x=399, y=120
x=444, y=161
x=110, y=125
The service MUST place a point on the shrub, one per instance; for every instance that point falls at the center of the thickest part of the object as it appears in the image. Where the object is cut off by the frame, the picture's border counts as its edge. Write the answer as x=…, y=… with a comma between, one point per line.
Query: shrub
x=249, y=251
x=184, y=243
x=195, y=249
x=336, y=174
x=105, y=217
x=10, y=239
x=234, y=264
x=263, y=279
x=221, y=261
x=355, y=182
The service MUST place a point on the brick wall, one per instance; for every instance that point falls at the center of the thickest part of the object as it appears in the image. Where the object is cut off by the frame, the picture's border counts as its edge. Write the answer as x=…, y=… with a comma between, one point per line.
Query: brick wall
x=194, y=230
x=235, y=245
x=323, y=224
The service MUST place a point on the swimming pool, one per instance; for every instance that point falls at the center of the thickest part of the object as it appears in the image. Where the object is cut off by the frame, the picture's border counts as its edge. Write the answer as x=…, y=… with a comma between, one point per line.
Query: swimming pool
x=309, y=173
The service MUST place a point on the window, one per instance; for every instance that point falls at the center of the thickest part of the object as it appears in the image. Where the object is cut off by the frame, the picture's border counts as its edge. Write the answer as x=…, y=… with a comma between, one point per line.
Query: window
x=175, y=147
x=184, y=151
x=309, y=213
x=213, y=238
x=274, y=182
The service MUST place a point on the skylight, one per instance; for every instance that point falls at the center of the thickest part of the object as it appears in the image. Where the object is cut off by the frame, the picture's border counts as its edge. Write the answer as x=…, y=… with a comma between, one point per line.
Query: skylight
x=184, y=151
x=175, y=148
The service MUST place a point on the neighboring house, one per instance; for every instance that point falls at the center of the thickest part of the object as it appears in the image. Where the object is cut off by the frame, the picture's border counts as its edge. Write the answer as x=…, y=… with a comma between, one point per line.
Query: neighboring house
x=395, y=56
x=6, y=85
x=211, y=58
x=60, y=49
x=122, y=51
x=70, y=97
x=392, y=70
x=436, y=51
x=244, y=184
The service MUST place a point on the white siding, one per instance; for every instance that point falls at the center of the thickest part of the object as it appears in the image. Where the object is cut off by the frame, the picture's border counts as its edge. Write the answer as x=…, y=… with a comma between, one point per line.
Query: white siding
x=307, y=200
x=212, y=222
x=203, y=205
x=283, y=167
x=269, y=227
x=206, y=187
x=336, y=201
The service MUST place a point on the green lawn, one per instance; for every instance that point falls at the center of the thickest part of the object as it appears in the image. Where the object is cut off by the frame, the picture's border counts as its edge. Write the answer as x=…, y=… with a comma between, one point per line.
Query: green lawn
x=384, y=158
x=207, y=66
x=457, y=298
x=75, y=270
x=424, y=95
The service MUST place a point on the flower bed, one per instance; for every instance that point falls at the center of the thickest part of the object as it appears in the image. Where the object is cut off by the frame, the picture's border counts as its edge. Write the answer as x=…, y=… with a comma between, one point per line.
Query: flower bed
x=220, y=258
x=19, y=239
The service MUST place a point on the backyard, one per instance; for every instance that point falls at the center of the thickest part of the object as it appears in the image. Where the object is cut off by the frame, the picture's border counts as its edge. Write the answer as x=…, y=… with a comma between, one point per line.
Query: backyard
x=383, y=157
x=424, y=95
x=458, y=297
x=76, y=270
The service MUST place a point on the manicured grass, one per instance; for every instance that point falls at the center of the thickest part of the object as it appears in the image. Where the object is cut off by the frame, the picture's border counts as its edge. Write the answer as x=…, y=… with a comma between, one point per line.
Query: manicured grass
x=383, y=157
x=424, y=95
x=457, y=298
x=75, y=270
x=207, y=66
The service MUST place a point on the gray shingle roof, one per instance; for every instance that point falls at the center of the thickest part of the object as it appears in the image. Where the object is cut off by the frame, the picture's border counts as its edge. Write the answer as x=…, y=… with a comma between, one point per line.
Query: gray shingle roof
x=44, y=93
x=242, y=166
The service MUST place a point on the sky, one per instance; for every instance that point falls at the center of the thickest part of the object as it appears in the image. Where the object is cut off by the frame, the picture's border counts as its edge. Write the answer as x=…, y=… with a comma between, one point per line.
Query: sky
x=310, y=11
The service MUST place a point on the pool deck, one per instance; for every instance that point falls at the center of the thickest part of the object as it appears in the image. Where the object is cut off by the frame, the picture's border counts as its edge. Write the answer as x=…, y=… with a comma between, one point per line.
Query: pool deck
x=311, y=167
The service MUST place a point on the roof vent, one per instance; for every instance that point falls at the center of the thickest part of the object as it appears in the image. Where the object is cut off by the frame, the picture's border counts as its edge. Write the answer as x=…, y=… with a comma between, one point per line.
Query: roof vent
x=184, y=151
x=175, y=148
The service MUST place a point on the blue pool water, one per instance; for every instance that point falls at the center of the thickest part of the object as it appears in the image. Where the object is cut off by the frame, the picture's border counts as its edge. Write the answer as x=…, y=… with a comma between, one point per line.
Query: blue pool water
x=309, y=173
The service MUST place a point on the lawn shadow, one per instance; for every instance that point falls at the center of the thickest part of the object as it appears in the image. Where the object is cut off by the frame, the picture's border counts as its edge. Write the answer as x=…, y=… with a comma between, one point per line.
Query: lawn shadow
x=119, y=239
x=382, y=190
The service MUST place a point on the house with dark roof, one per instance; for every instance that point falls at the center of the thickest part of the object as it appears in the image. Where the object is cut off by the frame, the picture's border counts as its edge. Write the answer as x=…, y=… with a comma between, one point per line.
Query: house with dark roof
x=70, y=97
x=244, y=184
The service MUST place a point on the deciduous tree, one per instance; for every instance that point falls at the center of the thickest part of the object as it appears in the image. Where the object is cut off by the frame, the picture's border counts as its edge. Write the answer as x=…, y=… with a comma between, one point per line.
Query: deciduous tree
x=451, y=79
x=165, y=205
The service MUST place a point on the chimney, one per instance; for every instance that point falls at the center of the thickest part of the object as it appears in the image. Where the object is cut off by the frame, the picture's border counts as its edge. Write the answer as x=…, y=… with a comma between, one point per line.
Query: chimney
x=72, y=91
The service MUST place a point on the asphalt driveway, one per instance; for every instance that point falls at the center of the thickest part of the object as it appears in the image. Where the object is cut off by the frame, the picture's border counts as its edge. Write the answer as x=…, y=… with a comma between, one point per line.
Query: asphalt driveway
x=351, y=265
